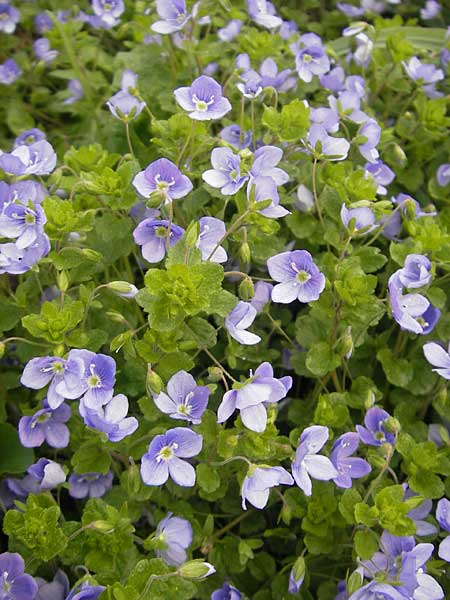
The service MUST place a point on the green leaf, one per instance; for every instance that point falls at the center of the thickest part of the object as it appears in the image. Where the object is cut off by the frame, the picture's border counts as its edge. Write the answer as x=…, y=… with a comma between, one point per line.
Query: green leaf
x=398, y=371
x=366, y=544
x=427, y=484
x=14, y=458
x=91, y=457
x=321, y=359
x=37, y=527
x=207, y=478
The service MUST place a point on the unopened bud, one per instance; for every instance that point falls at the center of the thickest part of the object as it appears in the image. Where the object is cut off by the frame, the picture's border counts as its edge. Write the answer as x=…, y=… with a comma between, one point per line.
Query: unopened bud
x=399, y=156
x=409, y=208
x=192, y=234
x=305, y=199
x=196, y=569
x=346, y=344
x=92, y=255
x=123, y=288
x=392, y=425
x=133, y=482
x=297, y=574
x=244, y=253
x=370, y=400
x=115, y=316
x=62, y=280
x=2, y=349
x=246, y=289
x=154, y=382
x=354, y=582
x=104, y=526
x=60, y=350
x=214, y=374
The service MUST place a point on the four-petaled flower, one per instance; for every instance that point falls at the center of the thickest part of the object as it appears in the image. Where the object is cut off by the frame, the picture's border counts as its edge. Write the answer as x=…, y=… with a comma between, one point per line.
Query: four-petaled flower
x=151, y=234
x=111, y=418
x=184, y=399
x=15, y=584
x=347, y=466
x=374, y=433
x=226, y=171
x=164, y=457
x=173, y=536
x=299, y=277
x=308, y=463
x=250, y=397
x=162, y=178
x=258, y=482
x=439, y=358
x=203, y=100
x=238, y=321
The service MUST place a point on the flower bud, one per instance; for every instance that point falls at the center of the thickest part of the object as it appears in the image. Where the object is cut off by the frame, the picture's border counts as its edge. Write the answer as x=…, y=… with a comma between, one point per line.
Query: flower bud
x=133, y=480
x=392, y=425
x=399, y=156
x=192, y=234
x=354, y=582
x=123, y=288
x=92, y=255
x=60, y=350
x=196, y=569
x=154, y=382
x=103, y=526
x=297, y=575
x=246, y=289
x=244, y=253
x=62, y=280
x=305, y=199
x=346, y=344
x=115, y=316
x=2, y=349
x=214, y=374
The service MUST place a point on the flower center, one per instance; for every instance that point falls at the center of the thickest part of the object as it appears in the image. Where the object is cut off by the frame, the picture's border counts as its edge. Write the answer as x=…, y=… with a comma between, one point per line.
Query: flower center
x=40, y=419
x=161, y=185
x=307, y=58
x=166, y=452
x=93, y=380
x=160, y=231
x=303, y=276
x=202, y=105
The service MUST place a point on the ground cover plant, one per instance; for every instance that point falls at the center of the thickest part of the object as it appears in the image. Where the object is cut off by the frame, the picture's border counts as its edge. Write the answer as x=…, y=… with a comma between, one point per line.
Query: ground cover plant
x=224, y=328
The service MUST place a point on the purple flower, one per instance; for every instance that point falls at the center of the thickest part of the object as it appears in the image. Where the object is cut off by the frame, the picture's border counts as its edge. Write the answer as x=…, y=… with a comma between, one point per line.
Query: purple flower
x=164, y=454
x=413, y=312
x=423, y=528
x=47, y=473
x=374, y=432
x=184, y=399
x=94, y=485
x=16, y=261
x=37, y=159
x=258, y=482
x=174, y=536
x=9, y=71
x=326, y=146
x=430, y=10
x=297, y=576
x=288, y=29
x=371, y=131
x=359, y=221
x=232, y=135
x=226, y=592
x=237, y=322
x=265, y=161
x=307, y=463
x=226, y=172
x=443, y=175
x=382, y=175
x=58, y=589
x=9, y=17
x=438, y=357
x=96, y=382
x=347, y=105
x=347, y=466
x=110, y=419
x=212, y=231
x=46, y=425
x=262, y=296
x=23, y=223
x=108, y=11
x=334, y=79
x=250, y=397
x=43, y=22
x=125, y=106
x=230, y=31
x=349, y=9
x=15, y=584
x=173, y=14
x=151, y=234
x=51, y=369
x=311, y=58
x=163, y=179
x=86, y=591
x=28, y=137
x=393, y=223
x=299, y=277
x=443, y=518
x=263, y=188
x=203, y=100
x=363, y=52
x=416, y=271
x=43, y=52
x=263, y=13
x=128, y=82
x=76, y=92
x=422, y=73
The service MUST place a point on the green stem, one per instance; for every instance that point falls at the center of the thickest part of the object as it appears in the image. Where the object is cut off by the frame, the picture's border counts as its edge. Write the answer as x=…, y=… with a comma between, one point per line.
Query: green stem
x=231, y=230
x=127, y=133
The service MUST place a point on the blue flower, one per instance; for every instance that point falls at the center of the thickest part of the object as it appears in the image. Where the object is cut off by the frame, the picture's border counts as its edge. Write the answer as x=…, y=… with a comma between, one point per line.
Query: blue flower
x=203, y=100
